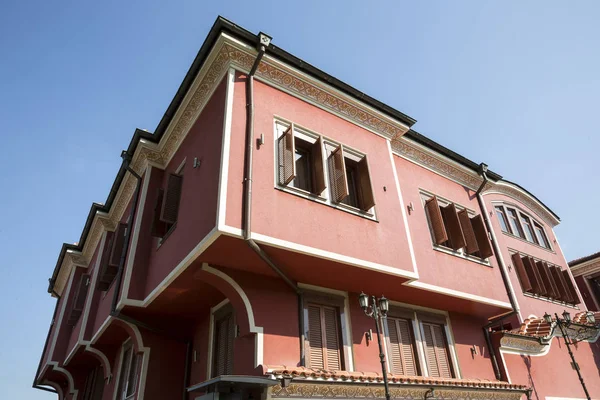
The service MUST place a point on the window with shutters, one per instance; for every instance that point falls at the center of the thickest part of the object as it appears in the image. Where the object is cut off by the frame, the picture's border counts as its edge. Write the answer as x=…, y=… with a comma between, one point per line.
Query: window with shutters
x=517, y=223
x=128, y=372
x=223, y=341
x=324, y=339
x=544, y=280
x=319, y=169
x=166, y=206
x=457, y=229
x=94, y=384
x=110, y=259
x=435, y=348
x=400, y=343
x=79, y=299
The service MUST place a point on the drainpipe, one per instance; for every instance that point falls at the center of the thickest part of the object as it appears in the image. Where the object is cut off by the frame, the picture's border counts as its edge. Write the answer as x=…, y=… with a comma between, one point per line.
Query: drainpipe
x=264, y=41
x=119, y=278
x=503, y=272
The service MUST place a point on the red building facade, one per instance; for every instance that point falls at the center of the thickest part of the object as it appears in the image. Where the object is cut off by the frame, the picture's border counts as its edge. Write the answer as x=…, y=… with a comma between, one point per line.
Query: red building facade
x=229, y=257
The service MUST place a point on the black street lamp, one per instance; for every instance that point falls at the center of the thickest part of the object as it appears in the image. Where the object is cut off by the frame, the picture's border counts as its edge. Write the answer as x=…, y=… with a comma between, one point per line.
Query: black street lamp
x=562, y=325
x=378, y=309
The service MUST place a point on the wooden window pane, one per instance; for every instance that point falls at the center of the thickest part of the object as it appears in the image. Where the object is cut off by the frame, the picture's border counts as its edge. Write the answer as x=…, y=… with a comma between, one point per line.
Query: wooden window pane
x=515, y=225
x=467, y=228
x=521, y=273
x=324, y=344
x=303, y=179
x=318, y=170
x=79, y=299
x=401, y=347
x=534, y=277
x=159, y=228
x=545, y=275
x=483, y=241
x=367, y=198
x=170, y=205
x=436, y=351
x=223, y=347
x=352, y=181
x=332, y=337
x=337, y=171
x=560, y=282
x=118, y=244
x=553, y=284
x=436, y=220
x=287, y=151
x=456, y=239
x=106, y=273
x=529, y=233
x=315, y=338
x=541, y=235
x=571, y=288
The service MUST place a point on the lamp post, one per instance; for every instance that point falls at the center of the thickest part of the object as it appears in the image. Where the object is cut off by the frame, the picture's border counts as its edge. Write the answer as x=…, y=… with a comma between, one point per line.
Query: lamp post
x=562, y=325
x=378, y=310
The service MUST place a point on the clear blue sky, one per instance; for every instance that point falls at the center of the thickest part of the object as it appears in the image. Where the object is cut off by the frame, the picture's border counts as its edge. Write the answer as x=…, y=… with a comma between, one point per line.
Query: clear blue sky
x=512, y=84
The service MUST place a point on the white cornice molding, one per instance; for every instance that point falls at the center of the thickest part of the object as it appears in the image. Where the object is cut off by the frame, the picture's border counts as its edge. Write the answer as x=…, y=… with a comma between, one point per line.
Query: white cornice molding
x=442, y=165
x=586, y=268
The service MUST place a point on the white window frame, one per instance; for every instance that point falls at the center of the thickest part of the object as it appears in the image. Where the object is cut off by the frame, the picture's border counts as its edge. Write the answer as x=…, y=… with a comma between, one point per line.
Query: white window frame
x=442, y=201
x=279, y=126
x=211, y=336
x=520, y=213
x=128, y=344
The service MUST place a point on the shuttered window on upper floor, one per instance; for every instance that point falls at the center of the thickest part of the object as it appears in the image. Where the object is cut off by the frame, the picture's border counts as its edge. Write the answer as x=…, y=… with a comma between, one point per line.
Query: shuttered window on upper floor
x=308, y=163
x=543, y=279
x=111, y=257
x=324, y=341
x=402, y=357
x=166, y=206
x=454, y=228
x=437, y=356
x=79, y=299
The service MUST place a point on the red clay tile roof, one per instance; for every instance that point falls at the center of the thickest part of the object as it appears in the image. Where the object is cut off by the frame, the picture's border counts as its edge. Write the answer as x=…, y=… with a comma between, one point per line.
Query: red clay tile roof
x=581, y=318
x=537, y=327
x=370, y=377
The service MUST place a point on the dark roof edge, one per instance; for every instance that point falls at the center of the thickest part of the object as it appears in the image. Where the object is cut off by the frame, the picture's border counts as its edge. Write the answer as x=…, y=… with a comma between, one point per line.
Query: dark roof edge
x=581, y=260
x=532, y=195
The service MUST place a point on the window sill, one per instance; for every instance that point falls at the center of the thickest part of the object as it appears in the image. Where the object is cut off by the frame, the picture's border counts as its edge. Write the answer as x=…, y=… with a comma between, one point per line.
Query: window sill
x=166, y=236
x=460, y=254
x=325, y=202
x=548, y=300
x=528, y=242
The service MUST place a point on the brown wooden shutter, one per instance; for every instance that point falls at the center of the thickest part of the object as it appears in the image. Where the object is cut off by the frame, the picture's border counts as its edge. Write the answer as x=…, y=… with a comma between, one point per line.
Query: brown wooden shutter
x=467, y=229
x=483, y=241
x=159, y=228
x=456, y=238
x=402, y=355
x=435, y=219
x=545, y=274
x=106, y=273
x=170, y=206
x=318, y=169
x=560, y=282
x=553, y=284
x=338, y=181
x=79, y=299
x=534, y=278
x=521, y=273
x=436, y=351
x=287, y=156
x=324, y=338
x=117, y=248
x=224, y=335
x=367, y=197
x=570, y=287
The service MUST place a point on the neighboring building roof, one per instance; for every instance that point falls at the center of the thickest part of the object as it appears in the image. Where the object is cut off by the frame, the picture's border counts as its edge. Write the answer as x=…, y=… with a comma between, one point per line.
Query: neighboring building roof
x=581, y=260
x=223, y=25
x=375, y=377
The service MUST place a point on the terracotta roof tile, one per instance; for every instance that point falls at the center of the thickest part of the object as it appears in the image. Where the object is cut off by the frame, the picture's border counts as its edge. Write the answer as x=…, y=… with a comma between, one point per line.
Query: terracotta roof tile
x=357, y=376
x=538, y=327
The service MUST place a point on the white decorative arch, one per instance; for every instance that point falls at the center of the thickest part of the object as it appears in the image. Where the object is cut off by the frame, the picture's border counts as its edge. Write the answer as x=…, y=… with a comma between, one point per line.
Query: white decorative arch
x=258, y=348
x=55, y=387
x=70, y=379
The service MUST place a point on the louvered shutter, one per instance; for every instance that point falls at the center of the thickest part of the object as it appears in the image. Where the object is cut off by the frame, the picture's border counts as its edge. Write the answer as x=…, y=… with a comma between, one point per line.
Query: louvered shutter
x=315, y=338
x=521, y=273
x=224, y=334
x=106, y=273
x=117, y=248
x=287, y=156
x=159, y=228
x=532, y=274
x=170, y=206
x=324, y=338
x=436, y=351
x=467, y=229
x=456, y=238
x=402, y=356
x=337, y=171
x=79, y=299
x=367, y=197
x=560, y=282
x=318, y=169
x=483, y=241
x=542, y=288
x=553, y=284
x=435, y=219
x=332, y=339
x=570, y=287
x=545, y=275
